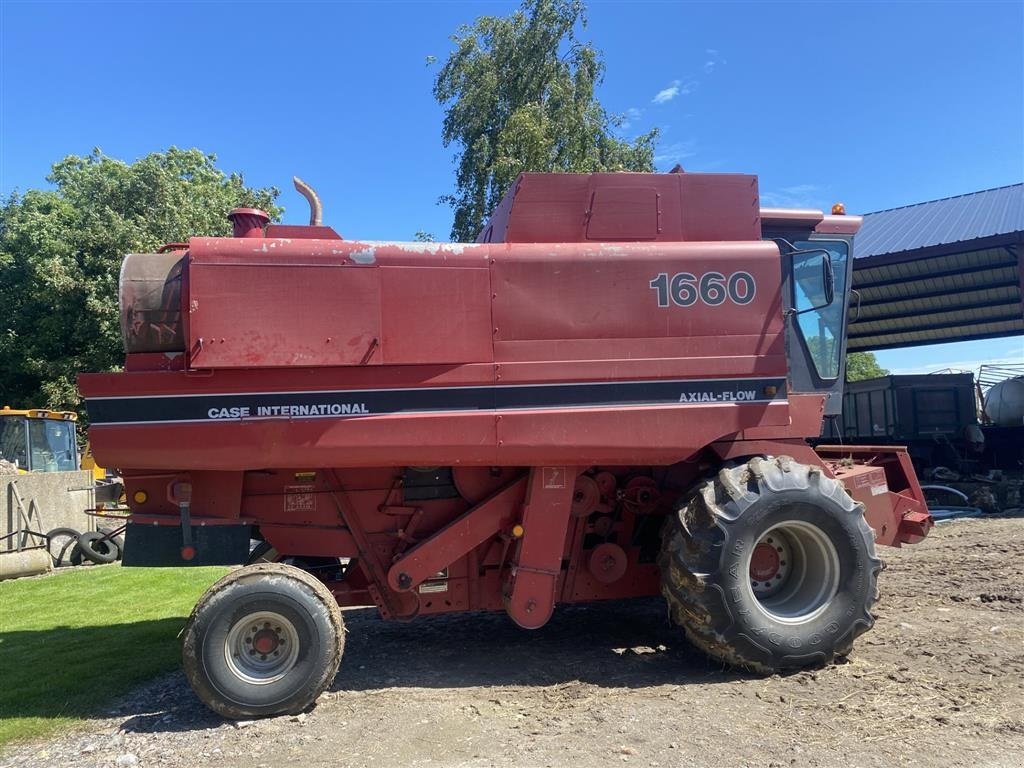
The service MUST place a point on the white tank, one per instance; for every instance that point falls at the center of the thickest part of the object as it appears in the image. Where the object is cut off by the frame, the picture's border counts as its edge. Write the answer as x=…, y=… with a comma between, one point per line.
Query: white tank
x=1004, y=403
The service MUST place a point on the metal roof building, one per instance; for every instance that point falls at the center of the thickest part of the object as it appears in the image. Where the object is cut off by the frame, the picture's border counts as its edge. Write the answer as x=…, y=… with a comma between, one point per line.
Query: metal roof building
x=945, y=270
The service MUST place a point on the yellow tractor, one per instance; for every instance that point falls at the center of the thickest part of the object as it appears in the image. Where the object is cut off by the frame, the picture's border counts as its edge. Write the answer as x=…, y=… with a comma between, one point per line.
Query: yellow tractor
x=40, y=440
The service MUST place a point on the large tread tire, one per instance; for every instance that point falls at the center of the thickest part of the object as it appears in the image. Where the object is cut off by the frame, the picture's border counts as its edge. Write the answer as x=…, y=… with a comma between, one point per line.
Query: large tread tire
x=705, y=563
x=289, y=592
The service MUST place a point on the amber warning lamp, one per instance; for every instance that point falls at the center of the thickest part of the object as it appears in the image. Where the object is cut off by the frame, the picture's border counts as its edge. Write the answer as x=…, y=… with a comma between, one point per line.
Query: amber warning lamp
x=838, y=209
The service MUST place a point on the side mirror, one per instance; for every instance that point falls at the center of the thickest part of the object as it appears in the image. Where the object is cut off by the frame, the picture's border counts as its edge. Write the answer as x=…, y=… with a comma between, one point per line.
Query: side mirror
x=828, y=277
x=814, y=284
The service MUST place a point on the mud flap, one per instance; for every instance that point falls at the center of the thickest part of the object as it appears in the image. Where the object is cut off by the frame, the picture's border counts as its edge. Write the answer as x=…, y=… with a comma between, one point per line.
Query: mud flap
x=160, y=545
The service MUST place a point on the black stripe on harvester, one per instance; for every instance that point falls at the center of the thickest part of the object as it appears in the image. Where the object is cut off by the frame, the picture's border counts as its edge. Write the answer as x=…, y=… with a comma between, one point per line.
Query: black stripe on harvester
x=370, y=402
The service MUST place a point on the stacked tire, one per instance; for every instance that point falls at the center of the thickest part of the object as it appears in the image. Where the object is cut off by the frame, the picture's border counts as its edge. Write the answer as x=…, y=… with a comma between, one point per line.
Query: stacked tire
x=69, y=547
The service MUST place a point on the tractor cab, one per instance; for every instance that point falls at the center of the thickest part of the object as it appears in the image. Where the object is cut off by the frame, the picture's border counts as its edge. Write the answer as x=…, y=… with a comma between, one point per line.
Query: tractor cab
x=817, y=273
x=39, y=440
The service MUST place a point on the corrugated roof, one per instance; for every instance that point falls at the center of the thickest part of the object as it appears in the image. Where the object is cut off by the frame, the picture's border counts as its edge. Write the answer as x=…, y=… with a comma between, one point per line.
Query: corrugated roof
x=938, y=298
x=957, y=219
x=945, y=270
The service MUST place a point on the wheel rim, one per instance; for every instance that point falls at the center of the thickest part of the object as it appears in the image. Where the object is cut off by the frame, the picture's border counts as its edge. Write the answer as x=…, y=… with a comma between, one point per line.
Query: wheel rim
x=793, y=572
x=261, y=648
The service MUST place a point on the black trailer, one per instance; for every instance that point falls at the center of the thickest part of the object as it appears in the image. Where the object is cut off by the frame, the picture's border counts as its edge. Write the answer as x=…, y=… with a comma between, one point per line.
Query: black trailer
x=934, y=415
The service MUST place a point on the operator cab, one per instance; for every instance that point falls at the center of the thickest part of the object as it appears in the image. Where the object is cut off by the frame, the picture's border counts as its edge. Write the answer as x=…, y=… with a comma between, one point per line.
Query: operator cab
x=38, y=440
x=816, y=275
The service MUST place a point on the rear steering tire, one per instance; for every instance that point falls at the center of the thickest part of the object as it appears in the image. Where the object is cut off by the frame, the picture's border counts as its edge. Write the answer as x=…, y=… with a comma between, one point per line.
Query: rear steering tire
x=265, y=640
x=770, y=567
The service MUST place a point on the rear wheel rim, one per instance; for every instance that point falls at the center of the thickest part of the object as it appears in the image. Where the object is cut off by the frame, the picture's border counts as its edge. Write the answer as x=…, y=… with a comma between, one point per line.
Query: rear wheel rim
x=261, y=648
x=793, y=572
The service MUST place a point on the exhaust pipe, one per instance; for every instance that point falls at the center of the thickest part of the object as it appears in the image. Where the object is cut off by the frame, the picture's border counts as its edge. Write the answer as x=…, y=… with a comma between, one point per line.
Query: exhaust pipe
x=316, y=210
x=251, y=222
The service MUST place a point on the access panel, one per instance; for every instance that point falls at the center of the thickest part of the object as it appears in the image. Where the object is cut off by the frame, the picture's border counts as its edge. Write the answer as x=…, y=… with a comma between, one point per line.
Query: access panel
x=265, y=315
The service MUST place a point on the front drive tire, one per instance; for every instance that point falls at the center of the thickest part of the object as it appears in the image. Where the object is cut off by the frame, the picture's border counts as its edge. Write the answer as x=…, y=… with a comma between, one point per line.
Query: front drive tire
x=265, y=640
x=770, y=567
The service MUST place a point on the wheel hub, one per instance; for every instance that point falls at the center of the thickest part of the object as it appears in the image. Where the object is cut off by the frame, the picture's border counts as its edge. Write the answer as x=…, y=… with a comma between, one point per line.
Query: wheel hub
x=261, y=647
x=770, y=564
x=265, y=641
x=764, y=563
x=794, y=571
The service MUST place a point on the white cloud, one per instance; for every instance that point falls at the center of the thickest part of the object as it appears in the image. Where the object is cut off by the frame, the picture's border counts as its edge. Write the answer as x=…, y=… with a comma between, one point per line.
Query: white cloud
x=796, y=196
x=706, y=166
x=675, y=153
x=713, y=60
x=675, y=88
x=667, y=94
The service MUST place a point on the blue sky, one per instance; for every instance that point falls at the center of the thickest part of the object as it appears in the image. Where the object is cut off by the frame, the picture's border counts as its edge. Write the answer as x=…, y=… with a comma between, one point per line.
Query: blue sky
x=874, y=104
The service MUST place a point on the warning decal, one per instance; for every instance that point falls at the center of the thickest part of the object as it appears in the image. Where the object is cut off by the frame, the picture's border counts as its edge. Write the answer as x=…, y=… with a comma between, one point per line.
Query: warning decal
x=299, y=498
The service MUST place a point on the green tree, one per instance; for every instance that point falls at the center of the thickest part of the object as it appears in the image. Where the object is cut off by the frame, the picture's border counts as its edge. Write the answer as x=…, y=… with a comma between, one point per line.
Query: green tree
x=518, y=94
x=61, y=251
x=863, y=365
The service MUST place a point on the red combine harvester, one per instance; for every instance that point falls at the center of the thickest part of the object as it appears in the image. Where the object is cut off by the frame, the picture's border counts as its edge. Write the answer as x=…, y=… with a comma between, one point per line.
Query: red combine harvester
x=608, y=395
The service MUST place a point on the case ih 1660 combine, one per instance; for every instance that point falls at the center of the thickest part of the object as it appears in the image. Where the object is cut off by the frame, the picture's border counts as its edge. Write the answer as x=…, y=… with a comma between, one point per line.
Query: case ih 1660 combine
x=608, y=395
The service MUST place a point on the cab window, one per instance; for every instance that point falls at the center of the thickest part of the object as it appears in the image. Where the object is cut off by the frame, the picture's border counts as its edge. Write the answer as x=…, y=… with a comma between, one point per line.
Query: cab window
x=52, y=445
x=14, y=441
x=821, y=326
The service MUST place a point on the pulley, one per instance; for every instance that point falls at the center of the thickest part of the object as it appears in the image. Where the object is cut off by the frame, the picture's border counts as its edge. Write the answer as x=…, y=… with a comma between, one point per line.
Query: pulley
x=608, y=563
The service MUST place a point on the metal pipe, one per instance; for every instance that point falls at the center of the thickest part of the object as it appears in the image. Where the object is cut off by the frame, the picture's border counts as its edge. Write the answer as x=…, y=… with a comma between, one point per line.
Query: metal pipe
x=316, y=209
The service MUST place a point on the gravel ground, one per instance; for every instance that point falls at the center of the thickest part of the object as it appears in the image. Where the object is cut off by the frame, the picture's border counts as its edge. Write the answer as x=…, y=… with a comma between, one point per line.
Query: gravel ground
x=938, y=682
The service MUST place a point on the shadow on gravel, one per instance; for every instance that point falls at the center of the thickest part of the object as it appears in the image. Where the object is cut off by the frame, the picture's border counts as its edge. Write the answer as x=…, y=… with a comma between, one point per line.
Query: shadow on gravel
x=180, y=713
x=615, y=644
x=628, y=644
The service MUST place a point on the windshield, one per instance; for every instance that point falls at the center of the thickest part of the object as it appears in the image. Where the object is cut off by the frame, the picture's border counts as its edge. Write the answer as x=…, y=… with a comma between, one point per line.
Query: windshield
x=821, y=326
x=52, y=445
x=13, y=441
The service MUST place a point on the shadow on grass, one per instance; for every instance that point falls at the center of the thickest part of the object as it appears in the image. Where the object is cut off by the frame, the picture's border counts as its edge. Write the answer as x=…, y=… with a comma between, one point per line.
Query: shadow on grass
x=72, y=672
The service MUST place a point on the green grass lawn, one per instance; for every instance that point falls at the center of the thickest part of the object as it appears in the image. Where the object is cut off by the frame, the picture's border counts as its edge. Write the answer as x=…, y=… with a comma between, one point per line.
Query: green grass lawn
x=72, y=642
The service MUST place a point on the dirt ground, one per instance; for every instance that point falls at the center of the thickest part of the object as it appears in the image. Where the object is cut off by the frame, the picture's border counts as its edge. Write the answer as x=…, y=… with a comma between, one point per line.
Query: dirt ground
x=938, y=682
